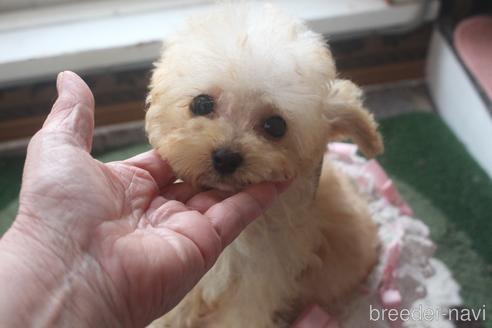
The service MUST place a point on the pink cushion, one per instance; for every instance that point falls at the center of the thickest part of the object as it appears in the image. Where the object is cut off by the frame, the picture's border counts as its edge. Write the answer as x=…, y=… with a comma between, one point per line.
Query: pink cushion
x=473, y=41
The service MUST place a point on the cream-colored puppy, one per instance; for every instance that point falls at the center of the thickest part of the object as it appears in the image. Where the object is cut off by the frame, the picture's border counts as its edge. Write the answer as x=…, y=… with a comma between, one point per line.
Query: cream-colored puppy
x=246, y=94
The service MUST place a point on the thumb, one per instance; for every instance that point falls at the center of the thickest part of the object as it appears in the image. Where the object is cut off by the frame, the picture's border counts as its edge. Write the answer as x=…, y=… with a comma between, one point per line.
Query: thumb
x=73, y=112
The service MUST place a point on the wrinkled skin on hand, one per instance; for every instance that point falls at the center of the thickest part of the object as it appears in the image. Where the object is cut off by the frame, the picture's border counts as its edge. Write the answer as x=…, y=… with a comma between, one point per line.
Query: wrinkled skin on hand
x=114, y=244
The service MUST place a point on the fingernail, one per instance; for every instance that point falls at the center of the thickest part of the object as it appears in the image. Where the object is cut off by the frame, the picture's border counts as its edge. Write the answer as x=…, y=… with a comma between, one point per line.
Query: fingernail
x=66, y=81
x=71, y=85
x=59, y=82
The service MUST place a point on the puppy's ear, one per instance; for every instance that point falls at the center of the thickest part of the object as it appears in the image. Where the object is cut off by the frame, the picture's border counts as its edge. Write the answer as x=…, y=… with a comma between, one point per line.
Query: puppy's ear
x=349, y=119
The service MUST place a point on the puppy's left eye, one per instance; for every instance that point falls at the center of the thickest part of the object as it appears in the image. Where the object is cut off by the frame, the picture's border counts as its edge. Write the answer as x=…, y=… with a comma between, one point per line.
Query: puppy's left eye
x=202, y=105
x=275, y=126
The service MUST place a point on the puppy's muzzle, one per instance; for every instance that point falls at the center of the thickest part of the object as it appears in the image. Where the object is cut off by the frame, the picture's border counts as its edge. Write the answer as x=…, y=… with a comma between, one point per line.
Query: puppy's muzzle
x=226, y=161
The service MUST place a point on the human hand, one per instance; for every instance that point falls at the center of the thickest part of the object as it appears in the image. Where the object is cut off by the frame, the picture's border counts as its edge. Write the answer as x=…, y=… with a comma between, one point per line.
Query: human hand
x=105, y=244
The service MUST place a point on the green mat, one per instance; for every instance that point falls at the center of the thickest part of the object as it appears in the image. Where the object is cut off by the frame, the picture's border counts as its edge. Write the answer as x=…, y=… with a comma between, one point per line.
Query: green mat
x=449, y=191
x=433, y=172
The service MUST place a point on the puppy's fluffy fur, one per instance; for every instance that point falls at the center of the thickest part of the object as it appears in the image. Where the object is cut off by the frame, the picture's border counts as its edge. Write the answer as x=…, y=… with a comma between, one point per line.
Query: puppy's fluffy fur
x=316, y=244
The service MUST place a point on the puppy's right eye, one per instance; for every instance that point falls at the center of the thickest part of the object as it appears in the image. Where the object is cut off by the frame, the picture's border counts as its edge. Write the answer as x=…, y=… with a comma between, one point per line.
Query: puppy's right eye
x=275, y=126
x=202, y=105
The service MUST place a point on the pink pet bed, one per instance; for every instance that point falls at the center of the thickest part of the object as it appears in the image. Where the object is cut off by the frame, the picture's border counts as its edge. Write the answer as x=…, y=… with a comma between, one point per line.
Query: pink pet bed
x=473, y=41
x=407, y=276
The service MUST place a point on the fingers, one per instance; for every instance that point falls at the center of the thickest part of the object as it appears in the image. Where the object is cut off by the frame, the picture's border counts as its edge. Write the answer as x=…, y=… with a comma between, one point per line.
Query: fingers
x=232, y=215
x=222, y=222
x=189, y=226
x=165, y=211
x=152, y=162
x=203, y=201
x=181, y=191
x=197, y=229
x=192, y=197
x=72, y=114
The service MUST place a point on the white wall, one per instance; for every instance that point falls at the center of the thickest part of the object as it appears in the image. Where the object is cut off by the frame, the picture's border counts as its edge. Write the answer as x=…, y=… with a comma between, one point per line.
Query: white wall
x=458, y=102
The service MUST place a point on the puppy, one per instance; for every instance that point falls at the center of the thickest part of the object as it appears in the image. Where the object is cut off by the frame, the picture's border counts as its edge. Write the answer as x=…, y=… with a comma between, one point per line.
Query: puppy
x=246, y=94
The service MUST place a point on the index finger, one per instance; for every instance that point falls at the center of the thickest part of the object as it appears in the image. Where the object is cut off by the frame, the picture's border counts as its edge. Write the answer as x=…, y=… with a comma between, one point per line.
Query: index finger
x=233, y=214
x=153, y=163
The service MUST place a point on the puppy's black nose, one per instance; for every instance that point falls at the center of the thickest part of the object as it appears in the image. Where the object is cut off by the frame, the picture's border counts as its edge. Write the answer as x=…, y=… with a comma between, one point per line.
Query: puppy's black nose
x=226, y=161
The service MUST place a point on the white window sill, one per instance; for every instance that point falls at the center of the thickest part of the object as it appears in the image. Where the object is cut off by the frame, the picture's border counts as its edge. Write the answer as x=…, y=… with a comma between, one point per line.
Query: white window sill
x=133, y=37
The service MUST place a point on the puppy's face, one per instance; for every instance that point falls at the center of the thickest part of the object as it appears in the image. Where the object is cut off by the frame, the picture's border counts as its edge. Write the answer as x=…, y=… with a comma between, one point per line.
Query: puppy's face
x=233, y=103
x=222, y=137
